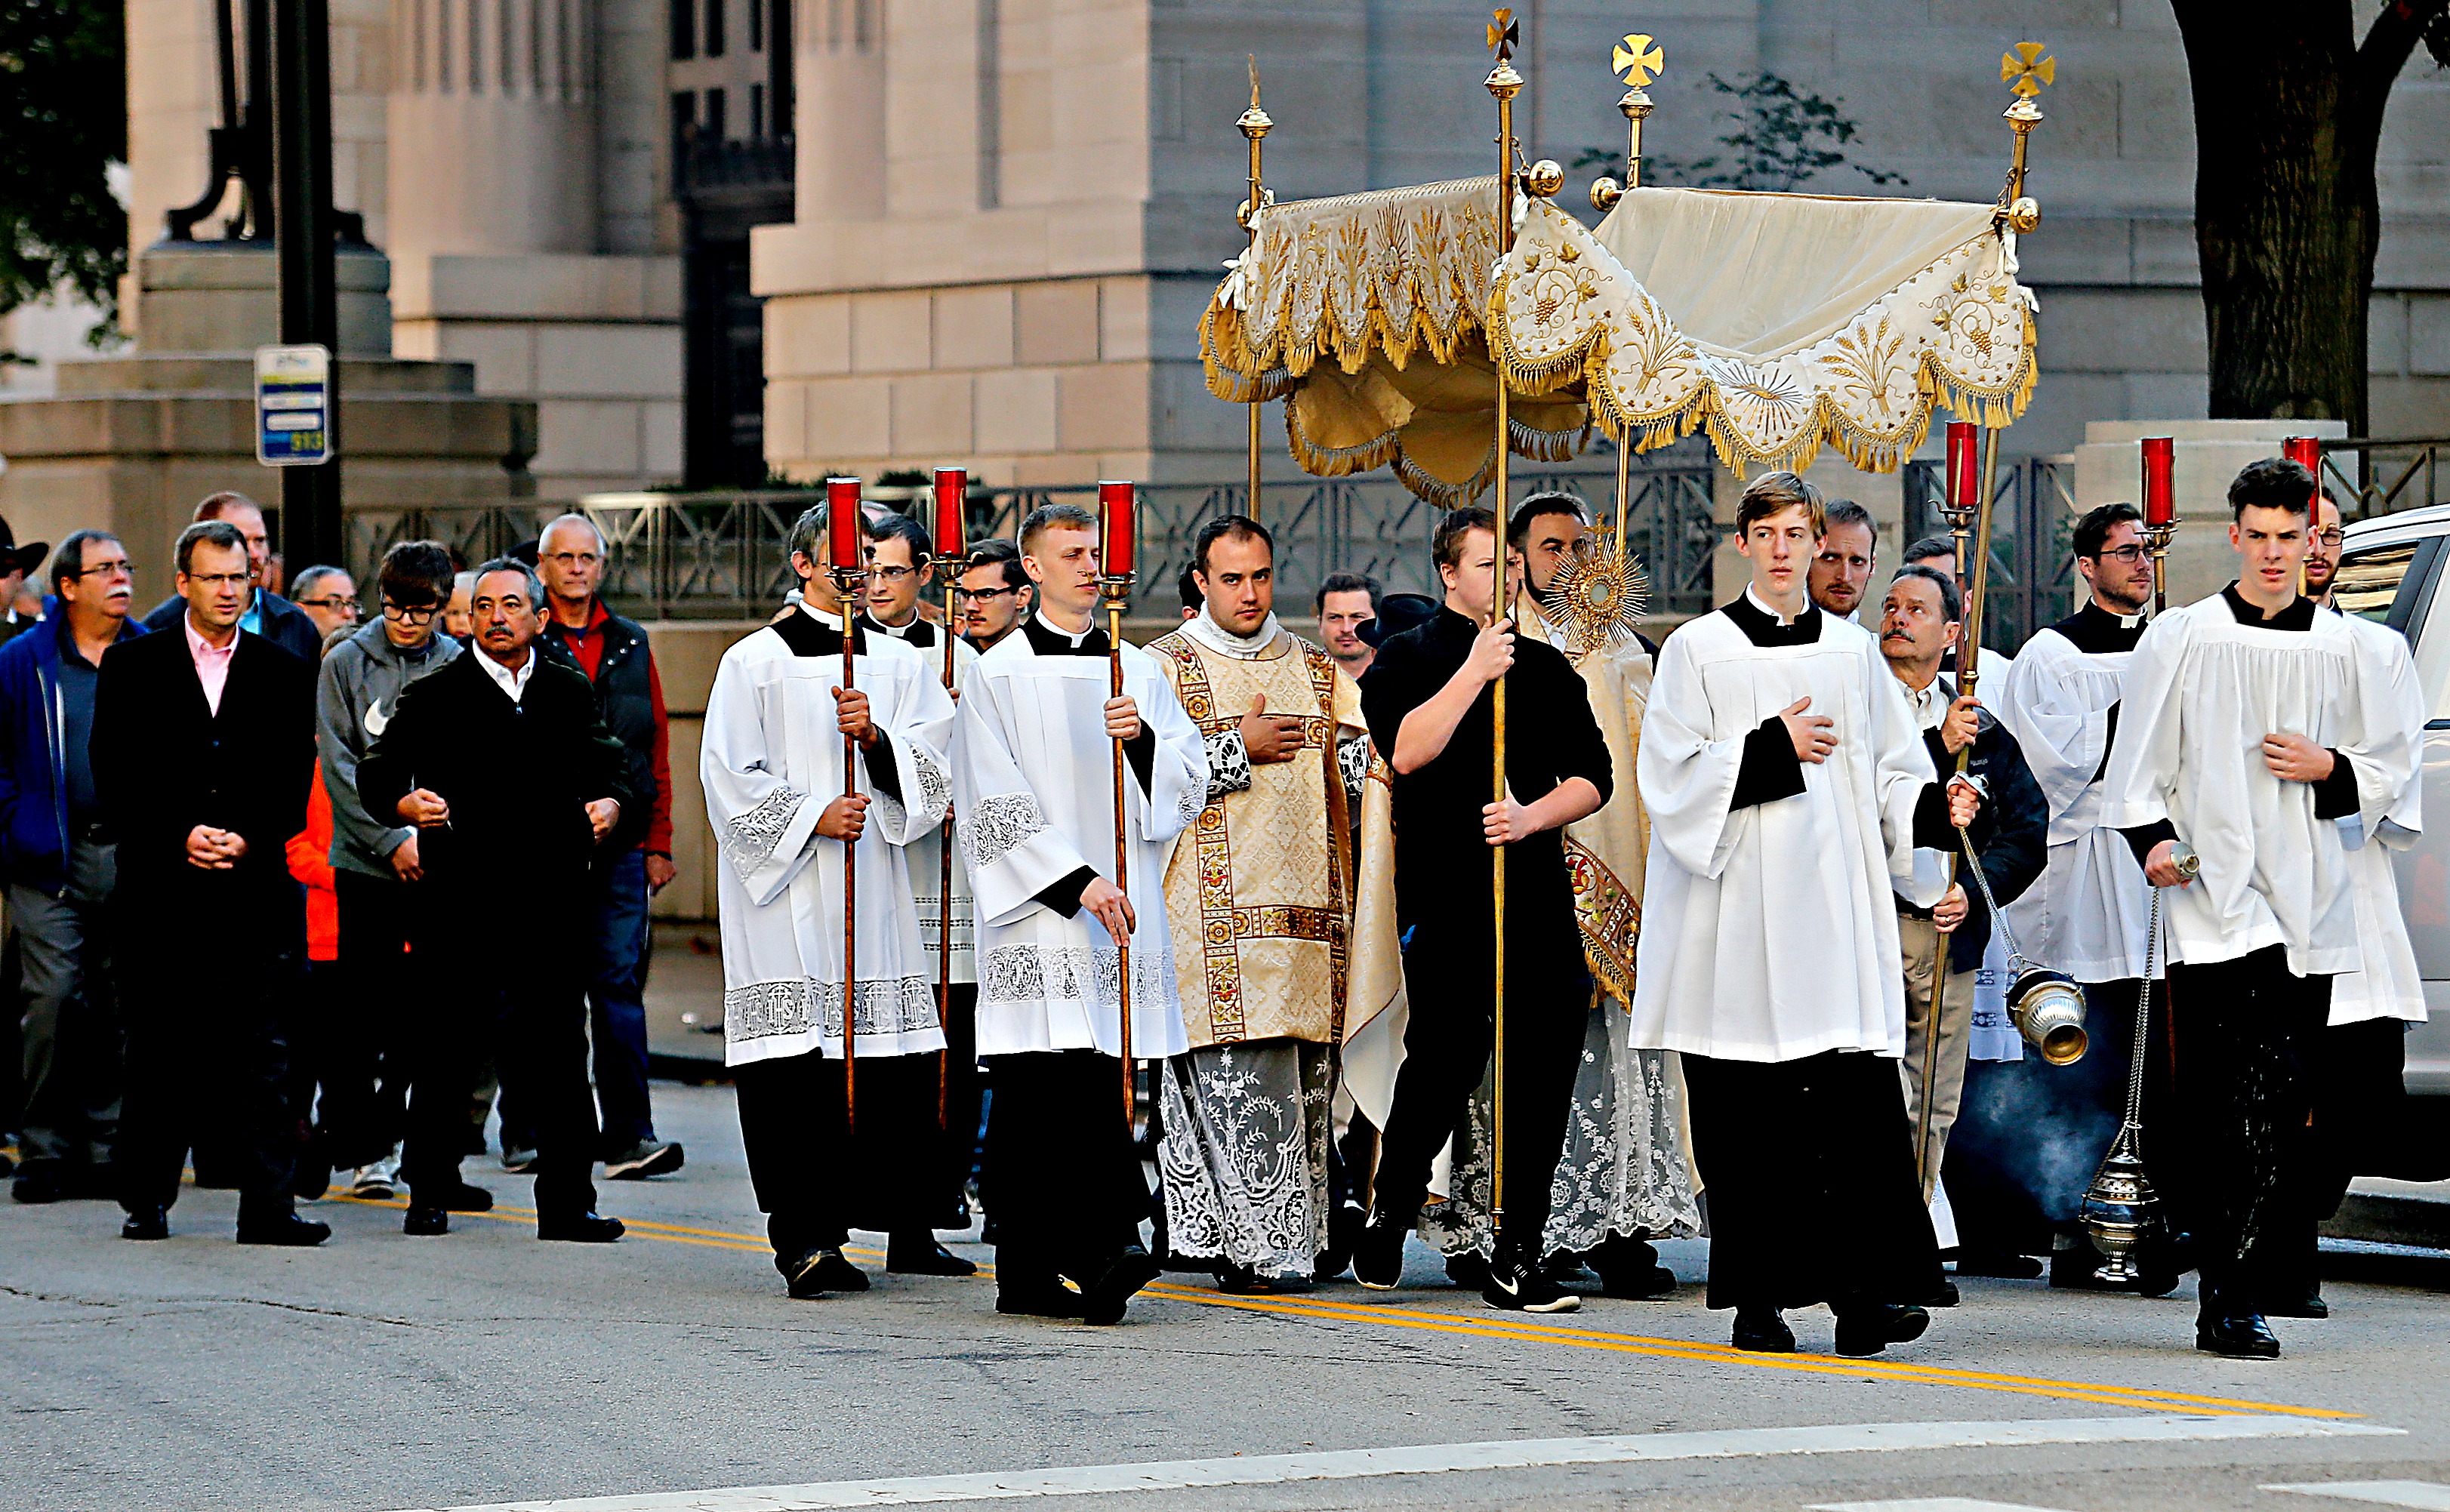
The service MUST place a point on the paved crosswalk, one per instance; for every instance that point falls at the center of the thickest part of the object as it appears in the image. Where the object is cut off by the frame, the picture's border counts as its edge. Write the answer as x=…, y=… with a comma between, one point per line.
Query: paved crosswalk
x=1434, y=1459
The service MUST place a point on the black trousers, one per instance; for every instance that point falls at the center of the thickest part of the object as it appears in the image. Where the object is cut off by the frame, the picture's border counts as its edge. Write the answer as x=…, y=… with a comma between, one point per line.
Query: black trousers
x=208, y=1059
x=816, y=1175
x=1809, y=1168
x=518, y=985
x=1063, y=1179
x=2246, y=1036
x=2359, y=1100
x=1447, y=1049
x=964, y=1091
x=365, y=1063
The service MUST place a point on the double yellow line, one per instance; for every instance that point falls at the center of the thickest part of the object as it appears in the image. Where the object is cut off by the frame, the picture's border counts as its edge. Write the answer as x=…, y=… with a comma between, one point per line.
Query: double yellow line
x=1522, y=1329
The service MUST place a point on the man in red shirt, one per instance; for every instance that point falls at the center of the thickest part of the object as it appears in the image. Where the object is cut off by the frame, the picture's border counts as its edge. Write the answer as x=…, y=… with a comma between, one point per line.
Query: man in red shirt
x=614, y=654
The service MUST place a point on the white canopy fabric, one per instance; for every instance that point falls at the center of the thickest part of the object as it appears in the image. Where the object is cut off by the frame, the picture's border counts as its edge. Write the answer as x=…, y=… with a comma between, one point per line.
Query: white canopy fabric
x=1776, y=322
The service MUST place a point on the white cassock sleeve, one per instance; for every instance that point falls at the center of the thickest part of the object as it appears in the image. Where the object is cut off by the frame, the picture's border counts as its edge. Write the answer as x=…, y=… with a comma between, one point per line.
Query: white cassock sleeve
x=2145, y=755
x=761, y=822
x=1012, y=853
x=1901, y=772
x=1178, y=768
x=2388, y=749
x=1687, y=779
x=920, y=728
x=2063, y=741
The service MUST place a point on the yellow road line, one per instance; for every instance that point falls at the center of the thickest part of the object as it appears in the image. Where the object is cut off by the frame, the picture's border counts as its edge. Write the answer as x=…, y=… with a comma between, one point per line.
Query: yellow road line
x=1516, y=1329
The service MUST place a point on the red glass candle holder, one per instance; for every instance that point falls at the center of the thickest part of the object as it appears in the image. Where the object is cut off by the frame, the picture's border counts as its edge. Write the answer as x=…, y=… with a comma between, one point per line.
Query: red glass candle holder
x=842, y=523
x=1964, y=465
x=952, y=502
x=2160, y=484
x=1116, y=525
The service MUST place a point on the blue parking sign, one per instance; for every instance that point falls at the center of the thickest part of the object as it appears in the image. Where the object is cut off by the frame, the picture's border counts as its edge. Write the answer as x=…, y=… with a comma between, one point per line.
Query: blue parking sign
x=293, y=410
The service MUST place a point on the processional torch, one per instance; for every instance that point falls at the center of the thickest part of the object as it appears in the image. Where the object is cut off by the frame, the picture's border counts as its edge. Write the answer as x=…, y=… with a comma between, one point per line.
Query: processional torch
x=1504, y=83
x=1115, y=578
x=1637, y=61
x=2120, y=1212
x=952, y=505
x=844, y=527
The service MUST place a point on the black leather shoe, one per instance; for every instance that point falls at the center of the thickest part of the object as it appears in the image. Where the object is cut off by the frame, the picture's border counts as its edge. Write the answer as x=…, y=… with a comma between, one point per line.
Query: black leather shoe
x=467, y=1198
x=284, y=1229
x=2237, y=1335
x=1044, y=1300
x=1871, y=1326
x=1762, y=1331
x=920, y=1255
x=1630, y=1268
x=310, y=1178
x=1103, y=1299
x=2306, y=1304
x=426, y=1222
x=1518, y=1284
x=1947, y=1296
x=820, y=1271
x=580, y=1227
x=1378, y=1255
x=146, y=1223
x=38, y=1185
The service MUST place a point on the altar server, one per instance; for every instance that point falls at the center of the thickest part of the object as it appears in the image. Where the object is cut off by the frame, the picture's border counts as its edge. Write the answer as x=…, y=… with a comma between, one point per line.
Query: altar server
x=2250, y=723
x=772, y=766
x=1788, y=788
x=1259, y=896
x=2360, y=1093
x=1033, y=793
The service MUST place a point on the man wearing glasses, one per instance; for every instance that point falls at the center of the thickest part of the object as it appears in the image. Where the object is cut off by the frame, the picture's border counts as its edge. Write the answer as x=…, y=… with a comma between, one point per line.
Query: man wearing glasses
x=329, y=596
x=267, y=613
x=614, y=654
x=61, y=869
x=994, y=593
x=2060, y=699
x=376, y=863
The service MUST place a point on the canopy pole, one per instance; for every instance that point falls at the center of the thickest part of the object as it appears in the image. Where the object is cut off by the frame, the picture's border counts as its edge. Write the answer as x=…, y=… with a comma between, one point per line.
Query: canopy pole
x=1254, y=125
x=1504, y=84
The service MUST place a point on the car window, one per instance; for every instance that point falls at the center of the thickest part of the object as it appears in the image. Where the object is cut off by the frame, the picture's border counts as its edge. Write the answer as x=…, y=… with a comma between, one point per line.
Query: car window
x=2368, y=582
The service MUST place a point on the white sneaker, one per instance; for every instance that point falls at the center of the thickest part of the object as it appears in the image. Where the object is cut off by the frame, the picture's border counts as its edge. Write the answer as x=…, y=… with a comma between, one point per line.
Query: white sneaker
x=378, y=1182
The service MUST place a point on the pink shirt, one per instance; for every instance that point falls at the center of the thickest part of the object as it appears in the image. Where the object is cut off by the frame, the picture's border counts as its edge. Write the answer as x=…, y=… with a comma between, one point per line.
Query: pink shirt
x=212, y=662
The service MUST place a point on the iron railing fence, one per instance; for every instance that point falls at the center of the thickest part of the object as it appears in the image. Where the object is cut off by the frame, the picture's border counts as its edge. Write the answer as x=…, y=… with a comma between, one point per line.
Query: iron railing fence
x=2032, y=580
x=2372, y=476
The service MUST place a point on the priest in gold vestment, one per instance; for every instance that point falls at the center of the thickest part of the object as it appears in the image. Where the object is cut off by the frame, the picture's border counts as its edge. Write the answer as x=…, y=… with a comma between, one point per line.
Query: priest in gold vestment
x=1259, y=897
x=1623, y=1179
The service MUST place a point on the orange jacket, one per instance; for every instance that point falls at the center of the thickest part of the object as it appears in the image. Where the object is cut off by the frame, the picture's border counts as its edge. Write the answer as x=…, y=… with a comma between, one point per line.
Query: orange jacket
x=310, y=861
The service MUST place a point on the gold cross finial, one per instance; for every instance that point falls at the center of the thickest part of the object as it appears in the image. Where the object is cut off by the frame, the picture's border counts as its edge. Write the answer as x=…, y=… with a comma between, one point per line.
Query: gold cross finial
x=2027, y=68
x=1504, y=32
x=1639, y=60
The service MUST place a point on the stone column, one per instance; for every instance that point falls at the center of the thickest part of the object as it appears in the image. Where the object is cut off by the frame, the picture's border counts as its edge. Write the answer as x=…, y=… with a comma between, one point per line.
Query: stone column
x=492, y=127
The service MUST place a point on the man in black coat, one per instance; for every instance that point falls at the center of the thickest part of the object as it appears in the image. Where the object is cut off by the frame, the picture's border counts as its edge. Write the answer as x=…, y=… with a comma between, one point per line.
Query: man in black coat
x=1427, y=700
x=203, y=752
x=503, y=762
x=261, y=611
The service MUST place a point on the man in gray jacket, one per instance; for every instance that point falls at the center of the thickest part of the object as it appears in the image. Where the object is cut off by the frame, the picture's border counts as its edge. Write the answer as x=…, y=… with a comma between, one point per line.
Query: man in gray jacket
x=374, y=864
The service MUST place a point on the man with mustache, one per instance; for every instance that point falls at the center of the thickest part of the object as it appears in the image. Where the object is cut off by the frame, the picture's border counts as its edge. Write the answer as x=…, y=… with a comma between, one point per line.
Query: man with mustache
x=1921, y=620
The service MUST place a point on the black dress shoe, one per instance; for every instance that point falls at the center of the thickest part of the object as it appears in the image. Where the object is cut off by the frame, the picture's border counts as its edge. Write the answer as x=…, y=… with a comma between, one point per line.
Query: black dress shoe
x=1871, y=1326
x=37, y=1185
x=1038, y=1300
x=919, y=1254
x=1378, y=1255
x=1947, y=1296
x=1762, y=1331
x=1630, y=1268
x=1103, y=1299
x=815, y=1272
x=2237, y=1335
x=284, y=1229
x=467, y=1198
x=425, y=1222
x=310, y=1178
x=580, y=1227
x=2306, y=1304
x=146, y=1223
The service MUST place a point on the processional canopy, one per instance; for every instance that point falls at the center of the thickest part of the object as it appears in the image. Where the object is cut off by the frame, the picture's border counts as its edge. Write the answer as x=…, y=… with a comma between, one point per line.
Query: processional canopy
x=1778, y=323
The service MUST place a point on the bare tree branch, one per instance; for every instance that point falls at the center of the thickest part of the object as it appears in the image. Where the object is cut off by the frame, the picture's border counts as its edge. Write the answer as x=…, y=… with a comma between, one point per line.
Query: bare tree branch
x=2388, y=44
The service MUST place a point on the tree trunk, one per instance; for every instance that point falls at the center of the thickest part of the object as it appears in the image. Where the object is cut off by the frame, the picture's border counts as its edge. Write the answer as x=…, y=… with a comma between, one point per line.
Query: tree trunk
x=2286, y=212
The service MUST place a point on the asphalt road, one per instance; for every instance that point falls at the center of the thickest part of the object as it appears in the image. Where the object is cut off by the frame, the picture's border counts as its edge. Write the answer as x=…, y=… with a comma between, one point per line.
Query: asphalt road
x=383, y=1373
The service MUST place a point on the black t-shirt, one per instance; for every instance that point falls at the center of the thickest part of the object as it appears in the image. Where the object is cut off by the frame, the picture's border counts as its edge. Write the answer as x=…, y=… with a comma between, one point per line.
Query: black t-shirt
x=1442, y=862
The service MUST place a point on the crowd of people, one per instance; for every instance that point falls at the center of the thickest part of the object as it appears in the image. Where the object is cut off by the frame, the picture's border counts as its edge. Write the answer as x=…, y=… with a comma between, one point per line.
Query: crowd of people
x=1756, y=885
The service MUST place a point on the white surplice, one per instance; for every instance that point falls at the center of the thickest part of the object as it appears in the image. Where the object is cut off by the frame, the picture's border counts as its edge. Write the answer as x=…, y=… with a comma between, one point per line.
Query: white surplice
x=2389, y=985
x=1769, y=932
x=2201, y=691
x=2089, y=914
x=927, y=851
x=771, y=760
x=1033, y=794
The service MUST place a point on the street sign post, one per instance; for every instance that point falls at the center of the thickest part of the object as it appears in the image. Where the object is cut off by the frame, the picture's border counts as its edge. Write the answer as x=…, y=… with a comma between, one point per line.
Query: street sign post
x=293, y=405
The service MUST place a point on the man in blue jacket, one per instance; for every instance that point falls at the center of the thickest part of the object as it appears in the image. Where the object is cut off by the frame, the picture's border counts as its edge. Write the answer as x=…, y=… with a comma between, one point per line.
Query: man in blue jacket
x=60, y=868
